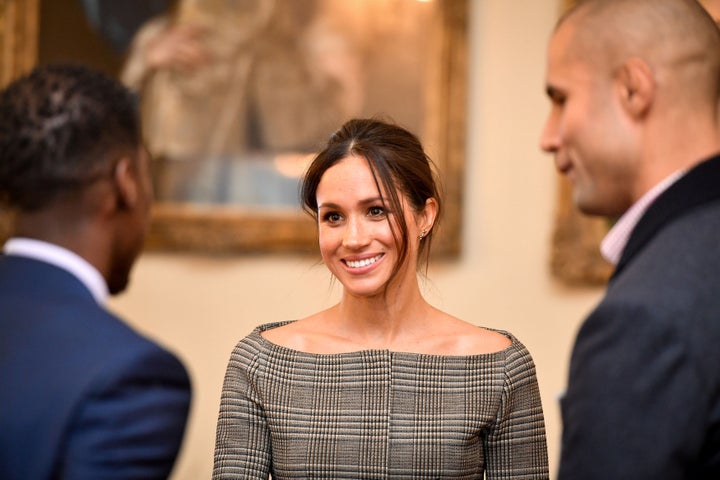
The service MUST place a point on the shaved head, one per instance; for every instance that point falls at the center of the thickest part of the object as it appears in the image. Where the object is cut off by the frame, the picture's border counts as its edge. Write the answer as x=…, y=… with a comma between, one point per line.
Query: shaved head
x=678, y=40
x=635, y=93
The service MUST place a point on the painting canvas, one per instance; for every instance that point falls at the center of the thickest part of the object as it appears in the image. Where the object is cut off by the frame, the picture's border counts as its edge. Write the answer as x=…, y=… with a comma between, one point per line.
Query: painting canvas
x=231, y=138
x=279, y=77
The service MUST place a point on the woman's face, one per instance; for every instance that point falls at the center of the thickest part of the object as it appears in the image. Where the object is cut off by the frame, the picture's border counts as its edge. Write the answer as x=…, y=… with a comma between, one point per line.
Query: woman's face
x=356, y=240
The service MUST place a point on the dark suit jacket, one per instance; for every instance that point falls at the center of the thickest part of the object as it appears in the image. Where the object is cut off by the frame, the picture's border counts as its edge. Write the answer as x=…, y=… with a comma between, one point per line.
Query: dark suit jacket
x=643, y=399
x=82, y=396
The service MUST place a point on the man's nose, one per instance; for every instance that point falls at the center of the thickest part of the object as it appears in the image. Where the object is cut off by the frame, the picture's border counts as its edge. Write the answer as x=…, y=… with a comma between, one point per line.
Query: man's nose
x=549, y=137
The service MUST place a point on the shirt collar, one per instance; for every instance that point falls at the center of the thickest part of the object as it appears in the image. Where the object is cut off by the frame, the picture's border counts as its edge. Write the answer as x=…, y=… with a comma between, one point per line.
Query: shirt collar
x=616, y=239
x=62, y=258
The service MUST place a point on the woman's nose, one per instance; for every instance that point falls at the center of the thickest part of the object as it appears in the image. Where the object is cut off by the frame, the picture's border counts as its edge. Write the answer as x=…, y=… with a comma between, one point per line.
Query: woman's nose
x=356, y=233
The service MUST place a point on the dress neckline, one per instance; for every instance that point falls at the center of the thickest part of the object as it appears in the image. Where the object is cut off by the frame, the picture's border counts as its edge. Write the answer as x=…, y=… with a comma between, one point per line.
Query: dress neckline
x=257, y=334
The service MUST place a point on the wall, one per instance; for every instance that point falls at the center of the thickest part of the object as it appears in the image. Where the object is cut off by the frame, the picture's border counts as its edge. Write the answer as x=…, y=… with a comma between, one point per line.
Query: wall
x=201, y=306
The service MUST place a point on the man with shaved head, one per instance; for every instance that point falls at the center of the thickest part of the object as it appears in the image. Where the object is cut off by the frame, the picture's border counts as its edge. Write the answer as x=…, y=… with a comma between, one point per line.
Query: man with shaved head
x=635, y=88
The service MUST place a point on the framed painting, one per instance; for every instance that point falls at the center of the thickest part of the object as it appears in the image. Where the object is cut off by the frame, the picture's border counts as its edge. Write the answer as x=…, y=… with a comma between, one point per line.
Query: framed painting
x=230, y=139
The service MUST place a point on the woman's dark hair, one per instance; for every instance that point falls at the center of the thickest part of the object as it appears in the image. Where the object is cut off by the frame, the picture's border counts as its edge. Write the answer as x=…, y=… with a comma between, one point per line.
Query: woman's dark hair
x=397, y=162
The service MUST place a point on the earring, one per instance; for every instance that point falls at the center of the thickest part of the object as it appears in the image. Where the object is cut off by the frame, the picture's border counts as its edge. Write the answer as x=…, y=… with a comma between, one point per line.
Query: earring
x=422, y=234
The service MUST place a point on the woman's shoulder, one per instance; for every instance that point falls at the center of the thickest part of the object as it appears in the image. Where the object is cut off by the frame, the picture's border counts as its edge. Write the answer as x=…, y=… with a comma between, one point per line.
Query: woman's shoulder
x=254, y=344
x=467, y=339
x=275, y=333
x=304, y=335
x=513, y=357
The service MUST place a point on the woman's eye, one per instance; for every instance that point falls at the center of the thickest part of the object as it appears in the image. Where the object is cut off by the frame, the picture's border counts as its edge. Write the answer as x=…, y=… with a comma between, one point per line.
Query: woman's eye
x=332, y=217
x=376, y=211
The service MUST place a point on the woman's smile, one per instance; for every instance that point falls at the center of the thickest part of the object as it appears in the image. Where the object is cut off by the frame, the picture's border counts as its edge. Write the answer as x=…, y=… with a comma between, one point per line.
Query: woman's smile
x=364, y=262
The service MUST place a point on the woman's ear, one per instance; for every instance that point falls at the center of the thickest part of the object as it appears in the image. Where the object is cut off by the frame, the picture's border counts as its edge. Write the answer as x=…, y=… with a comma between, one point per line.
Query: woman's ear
x=126, y=183
x=426, y=218
x=636, y=85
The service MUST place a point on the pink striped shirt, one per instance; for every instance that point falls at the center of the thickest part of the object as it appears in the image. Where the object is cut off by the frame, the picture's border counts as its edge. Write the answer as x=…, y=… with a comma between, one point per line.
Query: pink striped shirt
x=614, y=242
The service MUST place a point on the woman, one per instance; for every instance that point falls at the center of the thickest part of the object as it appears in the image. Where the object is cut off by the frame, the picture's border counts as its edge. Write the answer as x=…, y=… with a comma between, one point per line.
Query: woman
x=381, y=385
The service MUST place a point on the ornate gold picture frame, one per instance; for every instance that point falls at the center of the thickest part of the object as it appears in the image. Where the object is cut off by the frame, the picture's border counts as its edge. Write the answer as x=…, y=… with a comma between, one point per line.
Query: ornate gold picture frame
x=575, y=254
x=18, y=53
x=18, y=37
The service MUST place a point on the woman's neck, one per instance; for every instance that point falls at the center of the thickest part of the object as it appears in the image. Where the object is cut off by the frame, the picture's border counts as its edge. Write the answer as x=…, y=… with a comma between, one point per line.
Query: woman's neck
x=385, y=319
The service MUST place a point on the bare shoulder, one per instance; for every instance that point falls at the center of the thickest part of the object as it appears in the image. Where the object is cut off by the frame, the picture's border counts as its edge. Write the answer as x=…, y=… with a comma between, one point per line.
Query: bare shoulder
x=289, y=335
x=278, y=334
x=468, y=339
x=308, y=335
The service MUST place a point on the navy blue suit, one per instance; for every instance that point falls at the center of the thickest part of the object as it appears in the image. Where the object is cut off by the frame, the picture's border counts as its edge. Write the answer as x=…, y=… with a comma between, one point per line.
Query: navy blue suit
x=82, y=395
x=643, y=399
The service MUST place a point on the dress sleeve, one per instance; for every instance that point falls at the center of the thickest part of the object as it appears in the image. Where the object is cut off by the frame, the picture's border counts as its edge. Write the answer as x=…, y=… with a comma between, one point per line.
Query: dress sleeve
x=242, y=445
x=635, y=404
x=516, y=448
x=130, y=424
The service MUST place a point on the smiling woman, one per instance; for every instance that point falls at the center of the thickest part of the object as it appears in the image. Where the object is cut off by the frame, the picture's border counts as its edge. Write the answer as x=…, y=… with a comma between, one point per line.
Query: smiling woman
x=362, y=237
x=382, y=384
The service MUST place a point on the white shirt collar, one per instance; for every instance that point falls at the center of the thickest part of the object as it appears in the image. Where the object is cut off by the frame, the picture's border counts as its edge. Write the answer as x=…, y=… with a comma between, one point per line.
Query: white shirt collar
x=616, y=239
x=62, y=258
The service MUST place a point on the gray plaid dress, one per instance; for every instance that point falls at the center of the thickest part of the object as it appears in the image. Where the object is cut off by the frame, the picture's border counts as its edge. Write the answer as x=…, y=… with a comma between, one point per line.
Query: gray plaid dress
x=379, y=414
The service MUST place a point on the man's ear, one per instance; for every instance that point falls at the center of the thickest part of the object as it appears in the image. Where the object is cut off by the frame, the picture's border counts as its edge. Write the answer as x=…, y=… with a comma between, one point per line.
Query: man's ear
x=636, y=84
x=126, y=183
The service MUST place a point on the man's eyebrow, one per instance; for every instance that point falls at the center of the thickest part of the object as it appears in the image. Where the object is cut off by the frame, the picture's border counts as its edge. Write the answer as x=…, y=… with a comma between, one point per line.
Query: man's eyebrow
x=553, y=92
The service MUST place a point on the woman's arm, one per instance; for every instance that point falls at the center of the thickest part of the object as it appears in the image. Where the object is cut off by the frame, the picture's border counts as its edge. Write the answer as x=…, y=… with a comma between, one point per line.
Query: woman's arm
x=516, y=447
x=242, y=445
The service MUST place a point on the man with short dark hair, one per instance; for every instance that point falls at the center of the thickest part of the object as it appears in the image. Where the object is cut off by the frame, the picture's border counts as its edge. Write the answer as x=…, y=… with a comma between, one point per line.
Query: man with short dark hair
x=82, y=395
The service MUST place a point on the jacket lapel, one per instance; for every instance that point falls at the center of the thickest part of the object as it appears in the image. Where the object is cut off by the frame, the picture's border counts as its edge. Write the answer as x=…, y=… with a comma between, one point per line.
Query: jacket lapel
x=698, y=186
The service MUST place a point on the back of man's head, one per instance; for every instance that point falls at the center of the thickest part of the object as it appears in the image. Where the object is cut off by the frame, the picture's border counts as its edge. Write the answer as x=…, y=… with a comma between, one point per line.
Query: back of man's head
x=72, y=168
x=61, y=128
